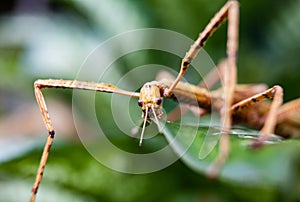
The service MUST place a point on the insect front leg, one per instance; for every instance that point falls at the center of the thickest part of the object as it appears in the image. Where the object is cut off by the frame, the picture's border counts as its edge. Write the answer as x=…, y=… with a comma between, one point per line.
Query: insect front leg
x=229, y=83
x=46, y=118
x=231, y=11
x=70, y=84
x=214, y=23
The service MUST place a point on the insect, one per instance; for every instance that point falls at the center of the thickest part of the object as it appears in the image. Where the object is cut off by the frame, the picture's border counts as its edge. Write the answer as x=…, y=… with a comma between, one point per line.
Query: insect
x=236, y=103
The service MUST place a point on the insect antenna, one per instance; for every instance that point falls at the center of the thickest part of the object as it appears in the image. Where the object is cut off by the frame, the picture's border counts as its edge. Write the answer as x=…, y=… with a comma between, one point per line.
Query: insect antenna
x=144, y=125
x=156, y=119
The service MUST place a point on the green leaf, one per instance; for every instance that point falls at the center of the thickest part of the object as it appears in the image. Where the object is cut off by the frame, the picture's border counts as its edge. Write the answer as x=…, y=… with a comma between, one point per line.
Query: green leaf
x=274, y=166
x=72, y=174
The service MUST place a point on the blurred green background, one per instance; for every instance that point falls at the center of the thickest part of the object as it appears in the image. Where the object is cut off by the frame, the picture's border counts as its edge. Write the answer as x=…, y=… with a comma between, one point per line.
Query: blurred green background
x=51, y=39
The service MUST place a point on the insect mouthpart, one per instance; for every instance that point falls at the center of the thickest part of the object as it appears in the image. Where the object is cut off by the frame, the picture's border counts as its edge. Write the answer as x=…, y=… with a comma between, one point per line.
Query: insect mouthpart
x=153, y=108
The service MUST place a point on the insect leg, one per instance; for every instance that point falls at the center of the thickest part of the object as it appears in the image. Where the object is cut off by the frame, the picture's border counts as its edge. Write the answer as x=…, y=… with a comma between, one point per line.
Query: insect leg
x=38, y=85
x=229, y=85
x=275, y=93
x=199, y=43
x=46, y=118
x=288, y=119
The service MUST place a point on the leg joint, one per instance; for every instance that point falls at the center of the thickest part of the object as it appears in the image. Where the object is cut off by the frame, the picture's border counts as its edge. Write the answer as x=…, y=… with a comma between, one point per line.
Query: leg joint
x=277, y=88
x=52, y=133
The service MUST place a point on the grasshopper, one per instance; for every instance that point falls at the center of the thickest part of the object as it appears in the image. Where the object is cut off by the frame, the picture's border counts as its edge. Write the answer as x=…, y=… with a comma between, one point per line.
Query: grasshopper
x=235, y=103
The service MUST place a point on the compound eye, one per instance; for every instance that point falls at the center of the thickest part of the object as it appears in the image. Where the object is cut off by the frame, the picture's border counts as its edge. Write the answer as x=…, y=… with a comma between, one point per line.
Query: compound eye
x=140, y=103
x=158, y=100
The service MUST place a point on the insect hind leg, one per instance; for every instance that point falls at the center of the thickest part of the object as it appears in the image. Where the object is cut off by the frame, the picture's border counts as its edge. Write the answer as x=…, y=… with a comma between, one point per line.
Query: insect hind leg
x=288, y=119
x=275, y=93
